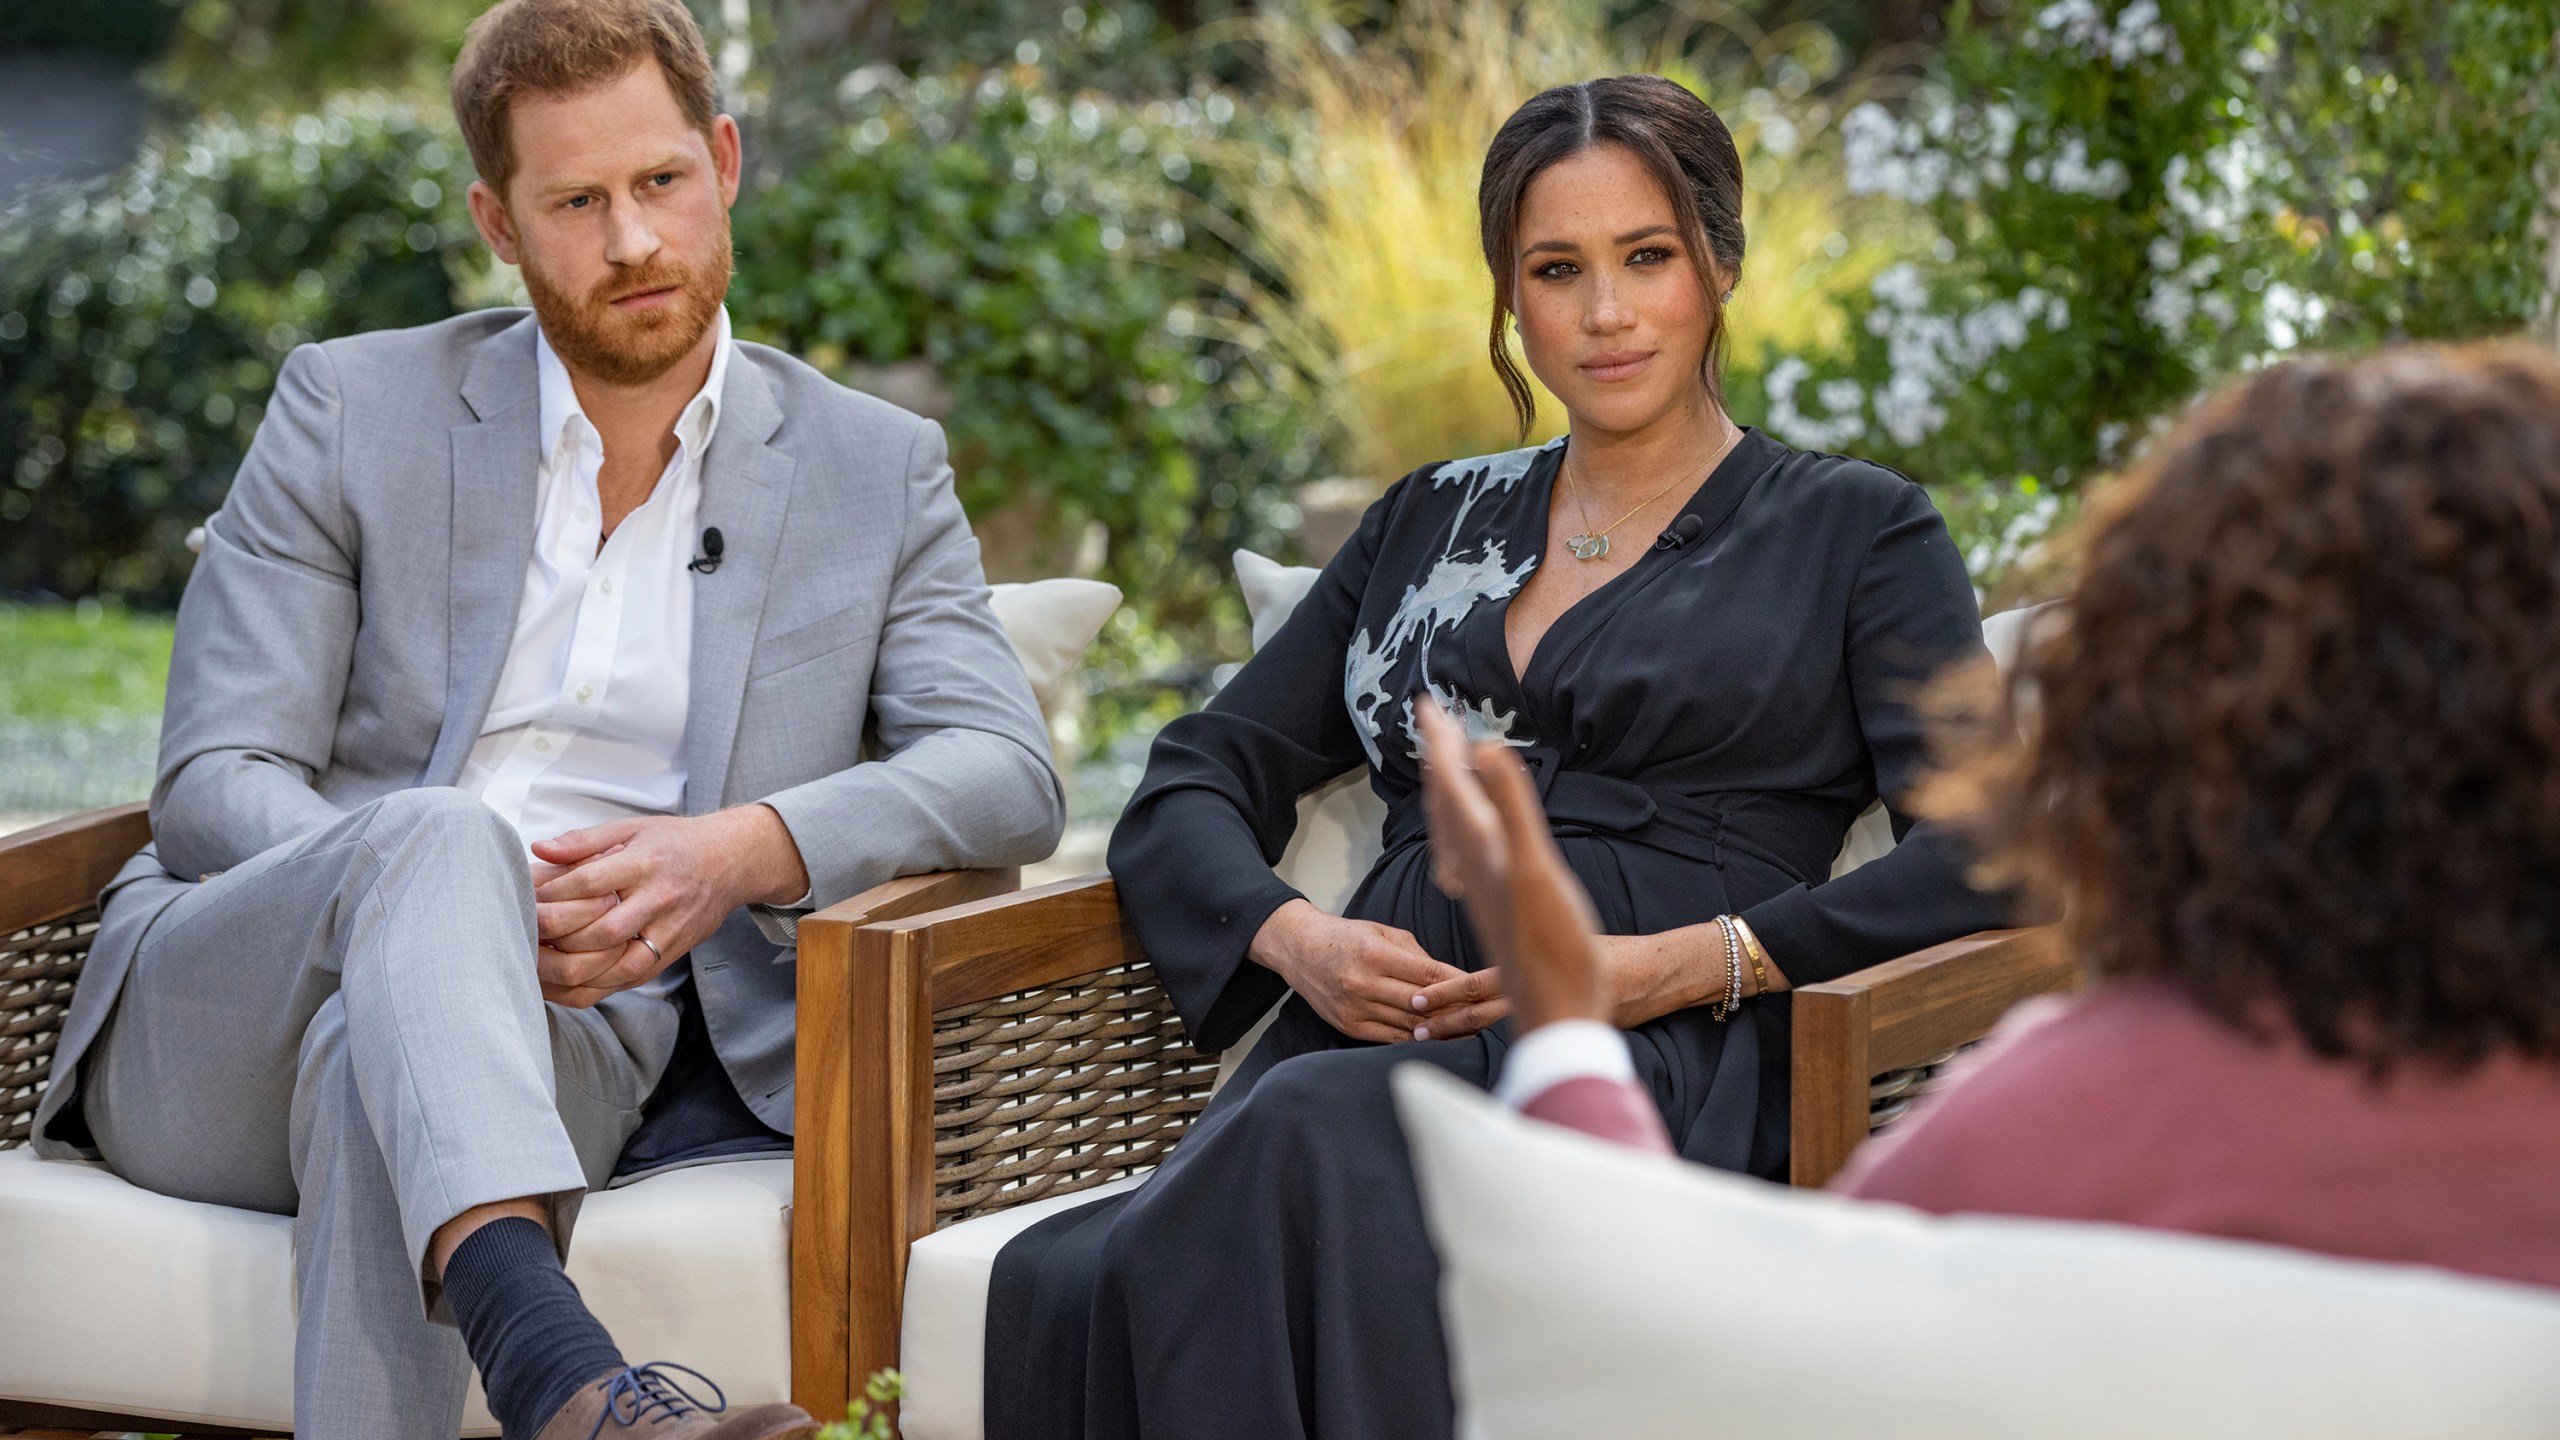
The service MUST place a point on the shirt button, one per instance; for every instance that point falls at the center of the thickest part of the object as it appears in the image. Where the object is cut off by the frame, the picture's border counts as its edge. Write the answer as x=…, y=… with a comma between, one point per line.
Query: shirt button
x=543, y=744
x=586, y=693
x=605, y=585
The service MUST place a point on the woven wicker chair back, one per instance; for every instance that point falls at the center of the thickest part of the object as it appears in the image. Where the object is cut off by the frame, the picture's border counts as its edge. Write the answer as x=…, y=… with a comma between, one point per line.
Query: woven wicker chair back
x=1058, y=1089
x=39, y=966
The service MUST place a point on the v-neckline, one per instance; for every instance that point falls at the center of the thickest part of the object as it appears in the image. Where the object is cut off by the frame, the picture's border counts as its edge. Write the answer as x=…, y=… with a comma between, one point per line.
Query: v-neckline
x=1714, y=502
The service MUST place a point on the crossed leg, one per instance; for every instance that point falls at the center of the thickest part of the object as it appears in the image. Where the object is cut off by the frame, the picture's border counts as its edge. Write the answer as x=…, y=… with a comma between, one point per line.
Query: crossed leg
x=348, y=1028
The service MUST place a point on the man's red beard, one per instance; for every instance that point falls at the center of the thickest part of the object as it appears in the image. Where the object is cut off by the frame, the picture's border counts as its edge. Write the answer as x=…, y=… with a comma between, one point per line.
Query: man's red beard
x=632, y=348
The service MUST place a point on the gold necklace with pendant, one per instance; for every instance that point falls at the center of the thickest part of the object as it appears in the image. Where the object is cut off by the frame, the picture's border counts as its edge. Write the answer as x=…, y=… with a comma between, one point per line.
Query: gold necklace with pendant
x=1588, y=546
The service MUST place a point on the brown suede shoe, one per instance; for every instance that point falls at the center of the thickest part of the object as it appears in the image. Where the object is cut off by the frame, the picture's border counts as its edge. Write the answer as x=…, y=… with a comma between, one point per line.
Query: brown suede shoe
x=647, y=1401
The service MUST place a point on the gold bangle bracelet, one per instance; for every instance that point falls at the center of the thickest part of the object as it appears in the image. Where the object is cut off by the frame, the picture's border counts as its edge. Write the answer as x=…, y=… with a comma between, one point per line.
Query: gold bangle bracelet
x=1759, y=957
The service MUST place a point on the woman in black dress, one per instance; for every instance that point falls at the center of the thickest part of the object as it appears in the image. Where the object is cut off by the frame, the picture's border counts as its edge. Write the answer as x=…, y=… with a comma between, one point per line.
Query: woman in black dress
x=1705, y=712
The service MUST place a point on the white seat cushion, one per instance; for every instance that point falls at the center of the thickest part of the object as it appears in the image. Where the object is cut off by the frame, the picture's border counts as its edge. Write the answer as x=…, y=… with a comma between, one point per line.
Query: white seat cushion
x=942, y=1337
x=115, y=1299
x=1589, y=1289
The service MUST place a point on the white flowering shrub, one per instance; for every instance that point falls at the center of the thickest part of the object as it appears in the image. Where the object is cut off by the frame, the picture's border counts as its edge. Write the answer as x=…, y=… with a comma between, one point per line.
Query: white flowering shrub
x=2134, y=198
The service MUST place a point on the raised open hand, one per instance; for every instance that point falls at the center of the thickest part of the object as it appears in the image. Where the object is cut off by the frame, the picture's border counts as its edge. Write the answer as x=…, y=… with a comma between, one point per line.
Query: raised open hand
x=1492, y=851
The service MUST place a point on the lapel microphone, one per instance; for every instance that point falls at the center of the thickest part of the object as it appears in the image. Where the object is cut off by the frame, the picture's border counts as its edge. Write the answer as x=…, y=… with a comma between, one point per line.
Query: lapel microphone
x=709, y=559
x=1682, y=531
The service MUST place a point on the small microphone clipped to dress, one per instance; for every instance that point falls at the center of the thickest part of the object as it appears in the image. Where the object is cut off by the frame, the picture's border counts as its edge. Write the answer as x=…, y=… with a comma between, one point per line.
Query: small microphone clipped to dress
x=709, y=559
x=1682, y=531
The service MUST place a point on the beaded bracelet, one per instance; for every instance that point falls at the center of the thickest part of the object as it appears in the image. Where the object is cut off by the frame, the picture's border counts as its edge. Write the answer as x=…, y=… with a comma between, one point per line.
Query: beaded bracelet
x=1723, y=1009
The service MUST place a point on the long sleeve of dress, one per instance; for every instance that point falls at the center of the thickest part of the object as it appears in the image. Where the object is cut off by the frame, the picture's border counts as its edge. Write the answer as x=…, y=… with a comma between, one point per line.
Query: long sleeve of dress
x=1911, y=613
x=1194, y=852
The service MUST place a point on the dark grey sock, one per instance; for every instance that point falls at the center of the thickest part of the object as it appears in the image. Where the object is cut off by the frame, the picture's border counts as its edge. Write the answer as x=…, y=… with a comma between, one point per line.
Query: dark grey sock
x=524, y=1324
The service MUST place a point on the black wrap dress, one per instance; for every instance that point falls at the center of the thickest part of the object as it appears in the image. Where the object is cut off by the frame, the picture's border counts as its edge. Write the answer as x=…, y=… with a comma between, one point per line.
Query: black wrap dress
x=1704, y=728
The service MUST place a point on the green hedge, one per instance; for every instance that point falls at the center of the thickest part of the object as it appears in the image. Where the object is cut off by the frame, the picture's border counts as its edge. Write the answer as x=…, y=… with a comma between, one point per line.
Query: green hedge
x=1055, y=258
x=142, y=319
x=1044, y=252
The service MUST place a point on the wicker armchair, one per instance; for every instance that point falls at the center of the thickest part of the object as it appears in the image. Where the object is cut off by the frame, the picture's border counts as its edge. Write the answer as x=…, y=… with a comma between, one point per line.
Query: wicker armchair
x=49, y=881
x=1018, y=1048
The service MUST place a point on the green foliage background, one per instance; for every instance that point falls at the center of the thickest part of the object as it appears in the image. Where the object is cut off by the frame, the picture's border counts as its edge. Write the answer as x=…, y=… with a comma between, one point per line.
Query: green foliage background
x=1052, y=254
x=142, y=319
x=2105, y=205
x=2134, y=200
x=1055, y=256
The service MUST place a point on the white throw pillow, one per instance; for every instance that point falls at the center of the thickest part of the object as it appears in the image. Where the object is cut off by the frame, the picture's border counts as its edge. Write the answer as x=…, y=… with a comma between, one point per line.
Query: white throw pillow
x=1051, y=624
x=1271, y=591
x=1588, y=1289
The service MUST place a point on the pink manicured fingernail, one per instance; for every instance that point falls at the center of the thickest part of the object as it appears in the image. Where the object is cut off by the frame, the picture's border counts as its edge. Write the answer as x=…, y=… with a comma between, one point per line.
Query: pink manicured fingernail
x=1419, y=1003
x=1421, y=1032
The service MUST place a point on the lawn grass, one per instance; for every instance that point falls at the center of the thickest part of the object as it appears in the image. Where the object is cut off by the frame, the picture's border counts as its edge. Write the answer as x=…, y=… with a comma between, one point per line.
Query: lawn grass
x=76, y=664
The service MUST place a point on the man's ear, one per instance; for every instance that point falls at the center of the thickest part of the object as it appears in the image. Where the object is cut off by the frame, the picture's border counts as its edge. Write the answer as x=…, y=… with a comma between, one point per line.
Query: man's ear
x=728, y=156
x=497, y=227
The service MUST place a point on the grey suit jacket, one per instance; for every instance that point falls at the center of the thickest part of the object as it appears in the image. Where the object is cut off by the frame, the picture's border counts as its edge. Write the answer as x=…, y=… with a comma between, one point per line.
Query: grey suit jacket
x=342, y=635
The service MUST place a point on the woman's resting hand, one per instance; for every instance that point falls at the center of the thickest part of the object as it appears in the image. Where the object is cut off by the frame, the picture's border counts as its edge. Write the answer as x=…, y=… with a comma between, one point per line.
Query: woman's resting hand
x=1359, y=975
x=1644, y=977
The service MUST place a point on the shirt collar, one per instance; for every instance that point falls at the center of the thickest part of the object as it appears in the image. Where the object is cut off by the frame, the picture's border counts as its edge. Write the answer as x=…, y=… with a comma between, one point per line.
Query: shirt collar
x=694, y=426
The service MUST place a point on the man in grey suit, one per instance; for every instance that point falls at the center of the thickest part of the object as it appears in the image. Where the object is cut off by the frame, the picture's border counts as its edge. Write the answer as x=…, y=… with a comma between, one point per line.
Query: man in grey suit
x=519, y=703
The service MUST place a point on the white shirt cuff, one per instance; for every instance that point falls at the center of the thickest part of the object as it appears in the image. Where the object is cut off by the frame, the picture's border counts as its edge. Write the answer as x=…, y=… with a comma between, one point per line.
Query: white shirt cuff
x=1566, y=1050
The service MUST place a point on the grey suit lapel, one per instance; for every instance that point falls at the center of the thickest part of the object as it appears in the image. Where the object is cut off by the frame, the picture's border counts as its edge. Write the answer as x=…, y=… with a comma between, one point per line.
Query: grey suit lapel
x=494, y=481
x=746, y=489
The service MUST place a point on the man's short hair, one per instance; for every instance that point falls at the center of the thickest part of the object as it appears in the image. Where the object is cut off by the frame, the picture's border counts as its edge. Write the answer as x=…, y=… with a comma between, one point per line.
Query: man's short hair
x=560, y=47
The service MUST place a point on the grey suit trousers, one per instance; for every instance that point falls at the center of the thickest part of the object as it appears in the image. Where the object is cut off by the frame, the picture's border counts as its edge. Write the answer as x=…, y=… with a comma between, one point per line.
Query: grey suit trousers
x=348, y=1028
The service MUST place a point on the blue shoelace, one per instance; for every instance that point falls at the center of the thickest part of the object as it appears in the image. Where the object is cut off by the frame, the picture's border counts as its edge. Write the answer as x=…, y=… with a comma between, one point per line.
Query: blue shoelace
x=648, y=1392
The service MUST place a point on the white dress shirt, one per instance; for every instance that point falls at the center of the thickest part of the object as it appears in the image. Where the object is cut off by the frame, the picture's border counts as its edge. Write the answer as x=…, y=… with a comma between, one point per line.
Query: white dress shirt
x=589, y=718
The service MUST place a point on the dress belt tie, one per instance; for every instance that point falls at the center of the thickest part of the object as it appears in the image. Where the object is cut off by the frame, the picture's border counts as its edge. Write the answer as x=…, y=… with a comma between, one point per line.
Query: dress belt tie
x=1798, y=834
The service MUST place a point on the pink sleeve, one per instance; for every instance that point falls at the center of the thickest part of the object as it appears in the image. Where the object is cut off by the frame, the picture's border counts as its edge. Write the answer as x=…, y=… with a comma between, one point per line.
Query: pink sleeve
x=1950, y=1150
x=1614, y=1110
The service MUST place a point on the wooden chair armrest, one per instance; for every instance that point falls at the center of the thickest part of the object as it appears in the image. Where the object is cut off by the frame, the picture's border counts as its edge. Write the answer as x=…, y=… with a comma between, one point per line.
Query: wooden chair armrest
x=1902, y=1013
x=864, y=1182
x=1041, y=936
x=58, y=869
x=915, y=894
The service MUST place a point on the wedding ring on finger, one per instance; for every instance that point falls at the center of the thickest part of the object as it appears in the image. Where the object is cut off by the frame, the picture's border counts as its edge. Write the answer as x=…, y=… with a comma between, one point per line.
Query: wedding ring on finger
x=653, y=949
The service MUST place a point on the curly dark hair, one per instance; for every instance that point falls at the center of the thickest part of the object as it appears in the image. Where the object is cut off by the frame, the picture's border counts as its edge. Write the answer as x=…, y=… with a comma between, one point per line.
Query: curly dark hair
x=2295, y=738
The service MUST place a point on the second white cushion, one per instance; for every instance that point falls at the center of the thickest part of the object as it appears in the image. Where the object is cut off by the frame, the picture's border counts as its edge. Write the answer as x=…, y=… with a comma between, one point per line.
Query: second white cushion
x=1589, y=1289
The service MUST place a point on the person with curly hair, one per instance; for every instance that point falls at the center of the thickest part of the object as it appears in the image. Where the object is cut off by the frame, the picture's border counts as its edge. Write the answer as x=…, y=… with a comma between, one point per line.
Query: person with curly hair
x=2293, y=774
